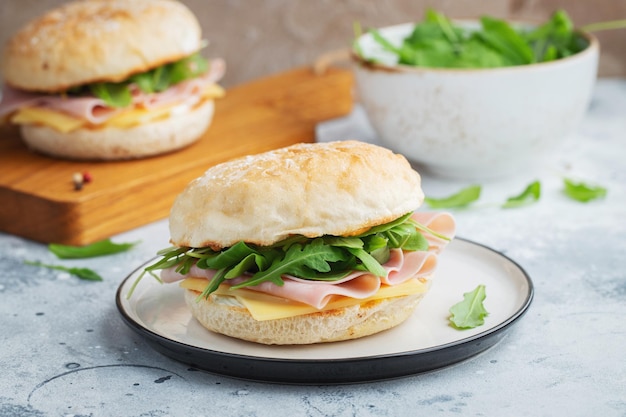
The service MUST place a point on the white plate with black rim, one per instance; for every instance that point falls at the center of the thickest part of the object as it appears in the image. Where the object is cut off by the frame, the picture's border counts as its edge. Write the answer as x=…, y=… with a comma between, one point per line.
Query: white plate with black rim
x=423, y=343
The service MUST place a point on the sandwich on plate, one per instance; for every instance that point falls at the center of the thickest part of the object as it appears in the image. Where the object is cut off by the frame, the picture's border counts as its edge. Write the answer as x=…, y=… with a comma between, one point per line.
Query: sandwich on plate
x=306, y=244
x=110, y=80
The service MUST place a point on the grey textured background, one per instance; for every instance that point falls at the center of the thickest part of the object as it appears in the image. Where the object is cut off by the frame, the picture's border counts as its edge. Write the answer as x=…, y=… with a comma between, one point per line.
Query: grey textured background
x=260, y=37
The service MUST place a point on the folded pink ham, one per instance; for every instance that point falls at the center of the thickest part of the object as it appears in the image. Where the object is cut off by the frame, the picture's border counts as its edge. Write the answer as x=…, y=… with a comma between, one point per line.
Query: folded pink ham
x=400, y=267
x=95, y=110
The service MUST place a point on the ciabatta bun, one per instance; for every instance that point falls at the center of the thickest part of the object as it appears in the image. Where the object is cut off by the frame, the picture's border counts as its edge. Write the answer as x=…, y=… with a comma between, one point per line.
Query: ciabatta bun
x=338, y=188
x=98, y=40
x=110, y=143
x=222, y=315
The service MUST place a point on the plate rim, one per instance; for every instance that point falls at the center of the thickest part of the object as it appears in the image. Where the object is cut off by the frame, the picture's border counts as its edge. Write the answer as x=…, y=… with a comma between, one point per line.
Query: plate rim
x=160, y=340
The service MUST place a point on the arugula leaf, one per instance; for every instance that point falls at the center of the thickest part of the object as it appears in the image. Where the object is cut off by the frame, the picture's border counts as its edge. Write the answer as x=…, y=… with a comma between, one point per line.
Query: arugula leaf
x=384, y=42
x=386, y=226
x=249, y=263
x=431, y=232
x=226, y=258
x=460, y=199
x=369, y=262
x=377, y=245
x=186, y=68
x=143, y=81
x=113, y=94
x=477, y=54
x=554, y=39
x=499, y=35
x=400, y=233
x=470, y=312
x=318, y=254
x=101, y=248
x=344, y=242
x=608, y=25
x=583, y=192
x=170, y=257
x=82, y=273
x=160, y=78
x=447, y=29
x=214, y=283
x=530, y=195
x=407, y=237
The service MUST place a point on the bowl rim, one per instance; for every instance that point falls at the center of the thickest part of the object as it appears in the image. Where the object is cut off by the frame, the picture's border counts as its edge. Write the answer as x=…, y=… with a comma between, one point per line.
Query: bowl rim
x=592, y=48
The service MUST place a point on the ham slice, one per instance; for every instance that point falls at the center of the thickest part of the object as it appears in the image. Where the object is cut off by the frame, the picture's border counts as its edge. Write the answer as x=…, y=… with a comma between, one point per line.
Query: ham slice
x=95, y=110
x=440, y=222
x=92, y=109
x=401, y=266
x=13, y=99
x=319, y=293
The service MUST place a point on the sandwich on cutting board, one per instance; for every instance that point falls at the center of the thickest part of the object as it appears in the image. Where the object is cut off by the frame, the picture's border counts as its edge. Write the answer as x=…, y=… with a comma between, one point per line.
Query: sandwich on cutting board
x=110, y=80
x=306, y=244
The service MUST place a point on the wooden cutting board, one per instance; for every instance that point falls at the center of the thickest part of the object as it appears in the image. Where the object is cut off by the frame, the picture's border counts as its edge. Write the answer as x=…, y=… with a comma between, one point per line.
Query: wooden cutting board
x=37, y=196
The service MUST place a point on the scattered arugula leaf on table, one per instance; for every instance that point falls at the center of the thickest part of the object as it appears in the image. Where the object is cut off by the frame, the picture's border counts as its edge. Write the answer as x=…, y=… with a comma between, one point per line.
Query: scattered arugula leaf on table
x=583, y=192
x=470, y=312
x=82, y=273
x=101, y=248
x=462, y=198
x=530, y=195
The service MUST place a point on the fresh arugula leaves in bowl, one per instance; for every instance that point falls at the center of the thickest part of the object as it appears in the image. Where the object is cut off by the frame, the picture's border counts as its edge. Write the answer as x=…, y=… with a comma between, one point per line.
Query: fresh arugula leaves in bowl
x=439, y=42
x=476, y=99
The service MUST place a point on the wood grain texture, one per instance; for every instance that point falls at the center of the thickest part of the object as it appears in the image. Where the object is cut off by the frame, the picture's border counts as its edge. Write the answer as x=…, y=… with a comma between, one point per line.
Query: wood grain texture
x=38, y=200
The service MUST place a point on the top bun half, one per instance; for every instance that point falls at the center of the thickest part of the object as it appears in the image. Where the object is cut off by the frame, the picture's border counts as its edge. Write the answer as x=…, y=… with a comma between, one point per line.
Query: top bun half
x=98, y=40
x=338, y=188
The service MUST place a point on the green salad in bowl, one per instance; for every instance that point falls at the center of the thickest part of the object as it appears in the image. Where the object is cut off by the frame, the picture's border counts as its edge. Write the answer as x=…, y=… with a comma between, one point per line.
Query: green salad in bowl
x=439, y=42
x=475, y=99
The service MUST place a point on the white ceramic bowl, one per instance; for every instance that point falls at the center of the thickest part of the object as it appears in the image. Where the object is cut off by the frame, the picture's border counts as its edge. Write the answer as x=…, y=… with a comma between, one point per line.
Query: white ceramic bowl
x=473, y=123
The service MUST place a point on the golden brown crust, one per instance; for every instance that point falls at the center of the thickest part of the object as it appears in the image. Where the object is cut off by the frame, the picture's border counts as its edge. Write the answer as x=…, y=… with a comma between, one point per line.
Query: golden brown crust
x=98, y=40
x=337, y=188
x=141, y=141
x=223, y=317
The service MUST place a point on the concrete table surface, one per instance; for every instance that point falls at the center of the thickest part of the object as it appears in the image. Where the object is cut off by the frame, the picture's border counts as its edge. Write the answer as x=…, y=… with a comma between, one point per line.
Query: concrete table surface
x=65, y=350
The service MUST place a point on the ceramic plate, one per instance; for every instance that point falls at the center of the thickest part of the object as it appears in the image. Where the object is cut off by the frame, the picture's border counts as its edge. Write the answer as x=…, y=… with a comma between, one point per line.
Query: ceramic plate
x=422, y=343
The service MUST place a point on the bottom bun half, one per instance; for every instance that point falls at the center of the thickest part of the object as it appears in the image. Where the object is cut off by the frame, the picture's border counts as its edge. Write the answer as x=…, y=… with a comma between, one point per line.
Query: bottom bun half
x=152, y=138
x=221, y=314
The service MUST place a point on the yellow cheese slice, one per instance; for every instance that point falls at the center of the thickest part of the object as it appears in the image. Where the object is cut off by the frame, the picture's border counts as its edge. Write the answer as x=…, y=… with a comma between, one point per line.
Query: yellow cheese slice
x=65, y=123
x=268, y=307
x=137, y=116
x=213, y=91
x=55, y=119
